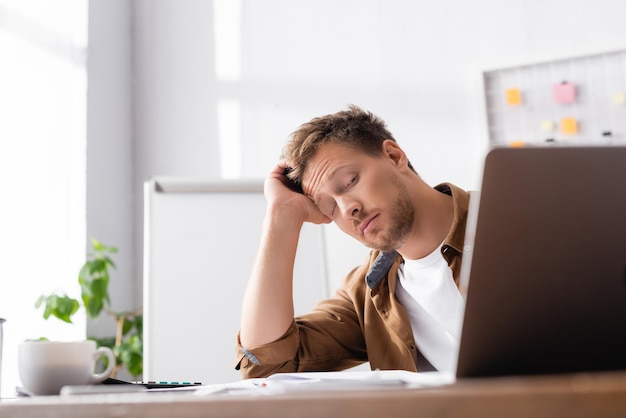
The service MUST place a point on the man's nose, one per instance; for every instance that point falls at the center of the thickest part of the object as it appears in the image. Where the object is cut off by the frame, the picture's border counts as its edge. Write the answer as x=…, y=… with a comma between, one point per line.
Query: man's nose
x=350, y=208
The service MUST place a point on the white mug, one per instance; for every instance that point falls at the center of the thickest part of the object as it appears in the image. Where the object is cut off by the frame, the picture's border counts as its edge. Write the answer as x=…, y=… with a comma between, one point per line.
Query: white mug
x=46, y=366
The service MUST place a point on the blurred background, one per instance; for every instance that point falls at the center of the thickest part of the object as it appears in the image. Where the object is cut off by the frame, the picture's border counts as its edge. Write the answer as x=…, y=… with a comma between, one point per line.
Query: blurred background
x=96, y=97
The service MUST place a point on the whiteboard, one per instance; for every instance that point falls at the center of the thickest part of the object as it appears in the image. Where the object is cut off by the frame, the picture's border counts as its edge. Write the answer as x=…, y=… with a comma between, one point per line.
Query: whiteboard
x=200, y=241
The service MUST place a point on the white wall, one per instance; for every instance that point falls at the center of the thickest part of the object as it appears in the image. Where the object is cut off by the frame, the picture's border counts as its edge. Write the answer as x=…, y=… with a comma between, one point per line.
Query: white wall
x=412, y=62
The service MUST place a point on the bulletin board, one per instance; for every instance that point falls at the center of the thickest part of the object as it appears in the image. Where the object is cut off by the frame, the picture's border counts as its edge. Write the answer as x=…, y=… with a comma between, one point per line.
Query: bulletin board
x=577, y=99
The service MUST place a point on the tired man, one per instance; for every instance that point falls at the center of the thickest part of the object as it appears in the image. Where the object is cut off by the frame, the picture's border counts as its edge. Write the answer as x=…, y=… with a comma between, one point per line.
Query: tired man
x=402, y=308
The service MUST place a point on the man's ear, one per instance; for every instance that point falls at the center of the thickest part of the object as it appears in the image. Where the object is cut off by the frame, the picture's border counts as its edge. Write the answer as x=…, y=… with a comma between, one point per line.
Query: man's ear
x=392, y=150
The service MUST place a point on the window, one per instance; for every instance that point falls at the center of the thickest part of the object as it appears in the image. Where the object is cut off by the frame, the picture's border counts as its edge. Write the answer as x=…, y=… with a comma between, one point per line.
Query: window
x=43, y=89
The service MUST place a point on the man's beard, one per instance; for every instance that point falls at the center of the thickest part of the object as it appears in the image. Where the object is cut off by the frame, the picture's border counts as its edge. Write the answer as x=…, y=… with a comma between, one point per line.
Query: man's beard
x=402, y=216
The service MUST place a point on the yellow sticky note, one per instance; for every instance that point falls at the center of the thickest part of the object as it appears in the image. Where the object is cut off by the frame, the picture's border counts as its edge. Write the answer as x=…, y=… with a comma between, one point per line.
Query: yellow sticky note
x=569, y=126
x=513, y=97
x=619, y=98
x=547, y=125
x=517, y=144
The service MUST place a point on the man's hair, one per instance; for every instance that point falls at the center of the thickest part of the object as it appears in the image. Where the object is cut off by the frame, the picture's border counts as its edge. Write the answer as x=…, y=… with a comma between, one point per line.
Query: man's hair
x=353, y=127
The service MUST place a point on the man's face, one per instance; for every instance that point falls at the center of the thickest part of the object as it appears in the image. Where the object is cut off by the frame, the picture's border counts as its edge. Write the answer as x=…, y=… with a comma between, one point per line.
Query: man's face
x=364, y=195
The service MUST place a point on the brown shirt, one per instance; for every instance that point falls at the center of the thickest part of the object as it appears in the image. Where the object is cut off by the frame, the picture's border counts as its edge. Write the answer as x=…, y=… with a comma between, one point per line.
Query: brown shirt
x=363, y=321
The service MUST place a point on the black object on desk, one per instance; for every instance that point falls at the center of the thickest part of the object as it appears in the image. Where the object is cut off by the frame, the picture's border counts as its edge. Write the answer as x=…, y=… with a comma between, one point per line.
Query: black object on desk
x=151, y=384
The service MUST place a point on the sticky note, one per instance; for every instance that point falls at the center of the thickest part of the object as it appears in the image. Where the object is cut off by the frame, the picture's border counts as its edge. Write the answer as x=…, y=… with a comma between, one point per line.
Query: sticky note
x=569, y=126
x=547, y=125
x=619, y=98
x=517, y=144
x=564, y=93
x=513, y=97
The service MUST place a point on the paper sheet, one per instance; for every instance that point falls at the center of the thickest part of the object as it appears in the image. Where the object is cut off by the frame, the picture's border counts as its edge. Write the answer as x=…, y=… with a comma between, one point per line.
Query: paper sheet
x=324, y=381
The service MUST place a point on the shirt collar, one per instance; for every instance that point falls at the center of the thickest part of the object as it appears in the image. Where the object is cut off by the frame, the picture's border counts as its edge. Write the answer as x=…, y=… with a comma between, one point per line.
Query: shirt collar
x=452, y=246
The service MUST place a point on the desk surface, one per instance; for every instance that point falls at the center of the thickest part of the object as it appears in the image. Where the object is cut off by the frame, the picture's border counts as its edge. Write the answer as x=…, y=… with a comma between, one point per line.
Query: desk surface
x=576, y=395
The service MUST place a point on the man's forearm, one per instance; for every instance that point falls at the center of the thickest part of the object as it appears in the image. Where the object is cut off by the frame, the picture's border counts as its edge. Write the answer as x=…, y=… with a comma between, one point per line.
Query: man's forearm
x=268, y=309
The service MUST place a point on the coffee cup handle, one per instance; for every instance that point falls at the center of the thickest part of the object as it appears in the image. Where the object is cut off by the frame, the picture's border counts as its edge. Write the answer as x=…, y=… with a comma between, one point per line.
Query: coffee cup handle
x=103, y=351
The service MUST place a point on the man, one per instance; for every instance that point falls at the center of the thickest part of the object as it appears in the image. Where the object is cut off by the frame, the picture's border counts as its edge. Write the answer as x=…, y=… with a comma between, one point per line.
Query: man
x=402, y=308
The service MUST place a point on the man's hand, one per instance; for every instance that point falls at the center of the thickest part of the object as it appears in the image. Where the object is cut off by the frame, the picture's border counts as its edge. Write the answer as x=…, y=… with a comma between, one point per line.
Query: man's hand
x=280, y=196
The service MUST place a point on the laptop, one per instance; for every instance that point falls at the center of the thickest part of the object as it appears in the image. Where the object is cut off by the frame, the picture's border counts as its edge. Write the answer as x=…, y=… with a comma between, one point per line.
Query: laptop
x=544, y=268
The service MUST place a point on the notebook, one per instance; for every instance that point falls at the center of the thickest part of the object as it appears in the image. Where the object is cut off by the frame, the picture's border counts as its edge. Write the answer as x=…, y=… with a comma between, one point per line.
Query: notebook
x=544, y=268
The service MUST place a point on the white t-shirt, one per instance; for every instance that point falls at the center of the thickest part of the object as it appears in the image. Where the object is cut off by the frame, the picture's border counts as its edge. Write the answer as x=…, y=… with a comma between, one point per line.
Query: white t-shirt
x=427, y=290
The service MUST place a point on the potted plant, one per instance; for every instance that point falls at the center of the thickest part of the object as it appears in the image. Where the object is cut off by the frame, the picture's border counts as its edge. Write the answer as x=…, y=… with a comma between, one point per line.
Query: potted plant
x=93, y=278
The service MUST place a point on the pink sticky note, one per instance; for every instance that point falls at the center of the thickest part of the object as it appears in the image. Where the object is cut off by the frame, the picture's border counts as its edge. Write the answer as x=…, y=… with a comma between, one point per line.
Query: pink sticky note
x=564, y=93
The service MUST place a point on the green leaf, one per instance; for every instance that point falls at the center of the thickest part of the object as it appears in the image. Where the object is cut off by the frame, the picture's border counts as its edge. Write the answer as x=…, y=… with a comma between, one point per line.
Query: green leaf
x=109, y=262
x=139, y=324
x=97, y=267
x=131, y=354
x=128, y=326
x=41, y=300
x=84, y=271
x=135, y=364
x=62, y=307
x=94, y=280
x=104, y=341
x=66, y=307
x=99, y=247
x=93, y=306
x=100, y=288
x=136, y=341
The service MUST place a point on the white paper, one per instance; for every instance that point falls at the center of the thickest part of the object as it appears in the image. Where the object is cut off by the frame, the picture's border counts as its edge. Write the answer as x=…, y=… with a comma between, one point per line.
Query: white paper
x=330, y=381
